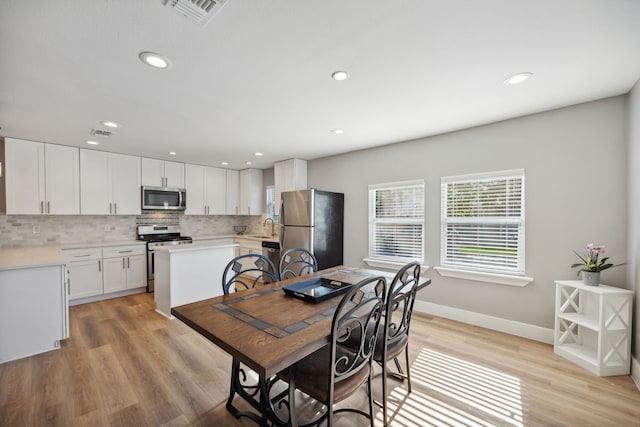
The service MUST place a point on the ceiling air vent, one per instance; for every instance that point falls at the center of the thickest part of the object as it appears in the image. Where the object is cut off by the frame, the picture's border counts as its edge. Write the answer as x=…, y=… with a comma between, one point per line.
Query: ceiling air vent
x=197, y=11
x=100, y=132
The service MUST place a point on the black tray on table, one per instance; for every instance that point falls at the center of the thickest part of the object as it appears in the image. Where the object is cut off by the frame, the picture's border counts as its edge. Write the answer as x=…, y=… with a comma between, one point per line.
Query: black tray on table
x=324, y=287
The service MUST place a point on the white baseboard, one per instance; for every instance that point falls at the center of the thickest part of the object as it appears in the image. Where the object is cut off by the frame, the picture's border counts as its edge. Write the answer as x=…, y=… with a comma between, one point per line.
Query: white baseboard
x=635, y=371
x=512, y=327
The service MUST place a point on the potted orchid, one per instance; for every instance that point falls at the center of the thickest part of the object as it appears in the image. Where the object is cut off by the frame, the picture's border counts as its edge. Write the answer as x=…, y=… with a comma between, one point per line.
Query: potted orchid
x=591, y=264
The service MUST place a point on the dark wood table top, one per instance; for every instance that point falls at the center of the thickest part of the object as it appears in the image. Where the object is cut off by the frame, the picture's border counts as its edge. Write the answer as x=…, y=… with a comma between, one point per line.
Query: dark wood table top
x=264, y=328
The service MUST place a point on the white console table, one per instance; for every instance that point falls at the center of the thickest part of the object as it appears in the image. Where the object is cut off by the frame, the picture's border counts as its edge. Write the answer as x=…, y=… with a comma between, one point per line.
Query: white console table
x=593, y=326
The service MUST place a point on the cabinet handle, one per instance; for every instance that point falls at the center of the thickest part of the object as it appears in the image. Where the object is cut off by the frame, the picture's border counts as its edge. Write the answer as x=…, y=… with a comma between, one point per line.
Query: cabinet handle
x=110, y=208
x=81, y=256
x=100, y=265
x=128, y=262
x=123, y=263
x=48, y=207
x=125, y=252
x=115, y=208
x=41, y=207
x=68, y=286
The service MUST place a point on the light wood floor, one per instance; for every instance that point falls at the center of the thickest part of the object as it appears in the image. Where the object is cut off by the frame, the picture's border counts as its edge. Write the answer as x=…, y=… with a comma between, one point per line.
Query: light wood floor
x=125, y=365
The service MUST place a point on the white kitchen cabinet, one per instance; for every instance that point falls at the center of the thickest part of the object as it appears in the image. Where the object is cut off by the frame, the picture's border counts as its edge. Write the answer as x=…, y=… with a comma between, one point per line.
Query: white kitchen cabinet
x=206, y=190
x=251, y=197
x=232, y=198
x=110, y=183
x=85, y=272
x=289, y=175
x=41, y=178
x=593, y=326
x=124, y=268
x=34, y=311
x=163, y=173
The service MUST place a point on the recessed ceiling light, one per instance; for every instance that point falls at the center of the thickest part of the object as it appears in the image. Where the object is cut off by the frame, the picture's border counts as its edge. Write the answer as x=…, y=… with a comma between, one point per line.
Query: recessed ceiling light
x=110, y=124
x=224, y=163
x=340, y=75
x=154, y=60
x=248, y=163
x=173, y=153
x=337, y=131
x=517, y=78
x=93, y=143
x=257, y=154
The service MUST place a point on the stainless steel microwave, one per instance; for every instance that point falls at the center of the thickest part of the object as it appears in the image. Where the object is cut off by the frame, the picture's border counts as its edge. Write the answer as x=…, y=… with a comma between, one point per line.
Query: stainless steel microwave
x=164, y=198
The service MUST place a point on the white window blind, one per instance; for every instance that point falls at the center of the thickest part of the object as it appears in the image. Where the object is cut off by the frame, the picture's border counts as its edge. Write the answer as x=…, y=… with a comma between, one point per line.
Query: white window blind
x=396, y=221
x=483, y=222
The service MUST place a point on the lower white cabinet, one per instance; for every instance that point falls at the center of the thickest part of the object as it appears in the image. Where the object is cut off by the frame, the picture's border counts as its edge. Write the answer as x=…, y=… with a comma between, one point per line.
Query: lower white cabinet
x=124, y=268
x=85, y=272
x=33, y=311
x=593, y=326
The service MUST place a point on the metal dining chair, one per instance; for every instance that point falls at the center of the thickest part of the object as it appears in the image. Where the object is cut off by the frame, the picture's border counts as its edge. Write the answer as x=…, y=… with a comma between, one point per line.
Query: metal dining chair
x=394, y=338
x=246, y=272
x=296, y=262
x=336, y=372
x=242, y=273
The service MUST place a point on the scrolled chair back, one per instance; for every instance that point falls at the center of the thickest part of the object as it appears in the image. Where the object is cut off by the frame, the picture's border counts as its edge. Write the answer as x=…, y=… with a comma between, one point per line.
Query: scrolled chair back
x=402, y=295
x=297, y=262
x=357, y=315
x=246, y=272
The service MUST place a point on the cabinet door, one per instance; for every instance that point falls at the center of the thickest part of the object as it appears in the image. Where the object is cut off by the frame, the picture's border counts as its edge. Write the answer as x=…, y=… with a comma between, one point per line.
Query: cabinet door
x=24, y=176
x=114, y=274
x=62, y=179
x=173, y=174
x=95, y=185
x=125, y=172
x=289, y=175
x=251, y=199
x=153, y=172
x=215, y=190
x=136, y=271
x=233, y=190
x=85, y=278
x=194, y=184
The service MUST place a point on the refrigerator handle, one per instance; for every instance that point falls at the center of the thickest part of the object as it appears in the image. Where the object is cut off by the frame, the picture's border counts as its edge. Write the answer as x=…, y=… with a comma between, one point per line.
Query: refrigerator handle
x=281, y=225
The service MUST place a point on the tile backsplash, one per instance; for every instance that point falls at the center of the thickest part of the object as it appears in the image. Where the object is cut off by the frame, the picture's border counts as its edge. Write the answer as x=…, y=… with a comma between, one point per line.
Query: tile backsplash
x=33, y=230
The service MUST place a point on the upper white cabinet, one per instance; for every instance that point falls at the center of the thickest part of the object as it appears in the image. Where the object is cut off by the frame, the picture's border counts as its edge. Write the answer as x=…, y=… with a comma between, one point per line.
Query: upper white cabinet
x=162, y=173
x=41, y=178
x=251, y=197
x=289, y=175
x=110, y=183
x=233, y=192
x=206, y=190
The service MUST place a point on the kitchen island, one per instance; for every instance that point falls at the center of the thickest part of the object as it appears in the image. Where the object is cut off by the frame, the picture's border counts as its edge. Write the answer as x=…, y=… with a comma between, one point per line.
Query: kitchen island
x=33, y=301
x=189, y=273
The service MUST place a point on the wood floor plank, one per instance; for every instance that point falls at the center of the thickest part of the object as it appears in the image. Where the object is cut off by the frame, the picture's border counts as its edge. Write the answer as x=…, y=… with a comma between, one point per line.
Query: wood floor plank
x=126, y=365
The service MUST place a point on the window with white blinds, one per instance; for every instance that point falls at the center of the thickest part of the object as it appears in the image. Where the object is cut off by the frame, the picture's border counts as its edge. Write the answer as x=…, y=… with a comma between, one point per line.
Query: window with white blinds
x=396, y=221
x=483, y=222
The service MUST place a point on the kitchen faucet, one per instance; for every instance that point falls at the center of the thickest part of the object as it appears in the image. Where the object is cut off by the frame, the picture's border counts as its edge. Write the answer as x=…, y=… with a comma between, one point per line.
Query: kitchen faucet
x=273, y=231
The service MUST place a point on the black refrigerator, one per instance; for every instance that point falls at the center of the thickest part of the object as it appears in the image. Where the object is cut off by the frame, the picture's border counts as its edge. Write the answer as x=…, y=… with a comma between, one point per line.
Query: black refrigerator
x=313, y=220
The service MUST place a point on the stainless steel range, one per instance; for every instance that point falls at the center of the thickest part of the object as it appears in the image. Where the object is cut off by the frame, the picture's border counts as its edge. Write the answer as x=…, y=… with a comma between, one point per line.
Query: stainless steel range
x=156, y=236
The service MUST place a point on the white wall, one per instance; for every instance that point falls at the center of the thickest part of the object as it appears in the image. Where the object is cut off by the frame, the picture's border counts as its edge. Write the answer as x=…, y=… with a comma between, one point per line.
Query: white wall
x=575, y=171
x=634, y=210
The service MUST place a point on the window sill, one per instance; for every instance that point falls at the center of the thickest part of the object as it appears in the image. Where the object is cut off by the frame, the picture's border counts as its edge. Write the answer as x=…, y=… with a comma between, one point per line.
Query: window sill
x=501, y=279
x=390, y=265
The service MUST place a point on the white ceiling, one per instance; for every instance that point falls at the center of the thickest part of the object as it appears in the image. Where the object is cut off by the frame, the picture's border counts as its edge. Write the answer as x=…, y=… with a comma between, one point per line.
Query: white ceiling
x=257, y=77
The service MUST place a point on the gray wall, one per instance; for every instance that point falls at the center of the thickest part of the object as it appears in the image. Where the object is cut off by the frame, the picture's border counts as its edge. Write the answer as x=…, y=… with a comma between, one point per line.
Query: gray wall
x=634, y=210
x=575, y=172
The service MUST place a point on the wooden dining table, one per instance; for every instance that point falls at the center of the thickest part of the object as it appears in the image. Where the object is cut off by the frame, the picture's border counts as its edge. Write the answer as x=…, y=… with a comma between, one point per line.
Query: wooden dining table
x=268, y=332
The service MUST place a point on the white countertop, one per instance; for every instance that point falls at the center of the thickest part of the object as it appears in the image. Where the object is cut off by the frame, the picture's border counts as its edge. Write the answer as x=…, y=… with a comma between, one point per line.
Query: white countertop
x=31, y=256
x=194, y=247
x=254, y=237
x=105, y=244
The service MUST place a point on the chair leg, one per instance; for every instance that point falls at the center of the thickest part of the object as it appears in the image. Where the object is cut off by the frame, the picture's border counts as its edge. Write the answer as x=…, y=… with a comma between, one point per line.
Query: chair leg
x=406, y=354
x=369, y=388
x=384, y=392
